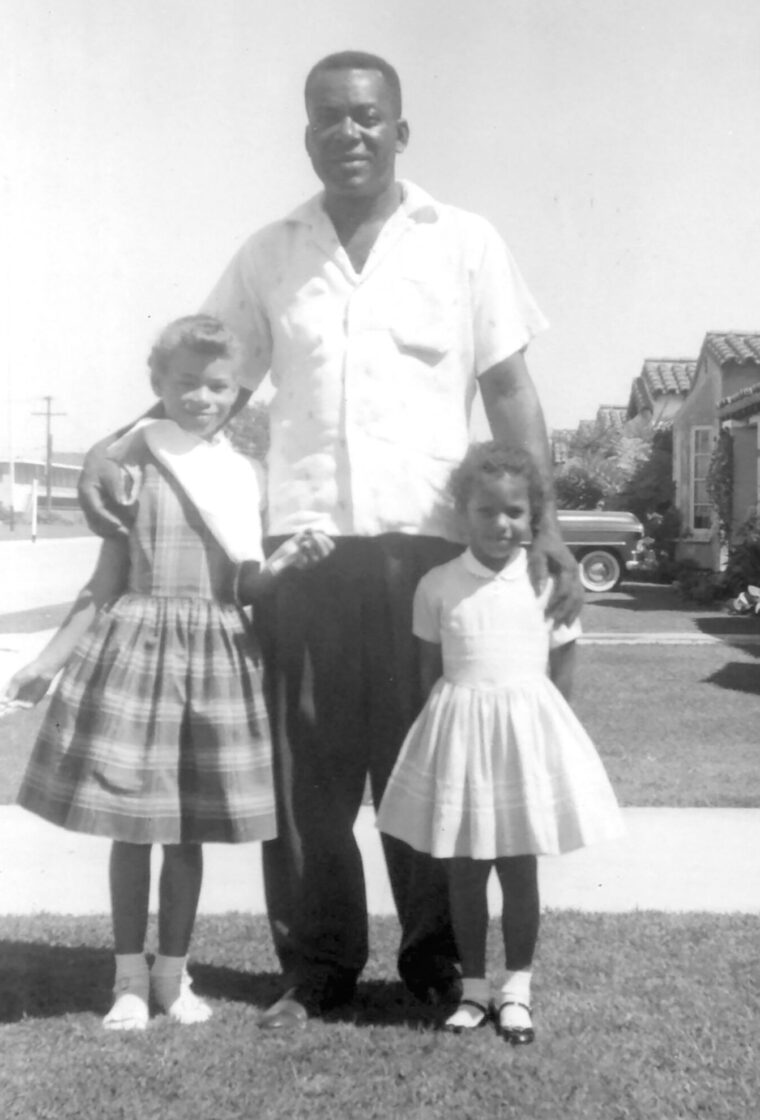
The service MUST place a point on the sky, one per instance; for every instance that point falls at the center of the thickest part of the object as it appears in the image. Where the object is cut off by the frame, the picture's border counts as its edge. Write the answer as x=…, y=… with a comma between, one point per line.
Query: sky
x=615, y=144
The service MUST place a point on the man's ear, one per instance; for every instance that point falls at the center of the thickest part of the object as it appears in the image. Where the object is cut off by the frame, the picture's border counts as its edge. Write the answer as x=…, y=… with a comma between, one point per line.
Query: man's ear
x=402, y=135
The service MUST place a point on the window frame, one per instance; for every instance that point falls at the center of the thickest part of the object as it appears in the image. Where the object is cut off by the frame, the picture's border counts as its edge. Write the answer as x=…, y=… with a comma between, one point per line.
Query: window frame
x=702, y=533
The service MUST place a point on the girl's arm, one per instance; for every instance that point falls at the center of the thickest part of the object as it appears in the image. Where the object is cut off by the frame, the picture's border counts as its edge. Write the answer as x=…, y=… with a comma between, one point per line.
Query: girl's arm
x=31, y=682
x=302, y=550
x=562, y=668
x=431, y=665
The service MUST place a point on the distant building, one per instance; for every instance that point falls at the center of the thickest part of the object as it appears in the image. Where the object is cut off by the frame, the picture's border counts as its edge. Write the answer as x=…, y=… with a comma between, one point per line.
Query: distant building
x=660, y=389
x=725, y=393
x=610, y=416
x=64, y=474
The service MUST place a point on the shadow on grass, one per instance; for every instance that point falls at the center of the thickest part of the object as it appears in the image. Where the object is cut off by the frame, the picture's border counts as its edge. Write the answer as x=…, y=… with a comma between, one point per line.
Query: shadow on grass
x=42, y=981
x=39, y=981
x=728, y=628
x=737, y=676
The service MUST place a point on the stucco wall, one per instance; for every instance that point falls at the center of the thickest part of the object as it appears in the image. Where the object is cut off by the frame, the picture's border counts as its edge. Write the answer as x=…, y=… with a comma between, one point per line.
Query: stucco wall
x=745, y=473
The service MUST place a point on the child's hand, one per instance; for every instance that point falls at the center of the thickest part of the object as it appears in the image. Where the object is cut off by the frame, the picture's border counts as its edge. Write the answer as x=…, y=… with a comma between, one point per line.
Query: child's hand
x=302, y=550
x=25, y=688
x=313, y=545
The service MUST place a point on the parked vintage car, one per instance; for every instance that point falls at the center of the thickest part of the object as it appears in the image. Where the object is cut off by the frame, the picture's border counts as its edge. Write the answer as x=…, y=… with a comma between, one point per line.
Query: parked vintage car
x=605, y=543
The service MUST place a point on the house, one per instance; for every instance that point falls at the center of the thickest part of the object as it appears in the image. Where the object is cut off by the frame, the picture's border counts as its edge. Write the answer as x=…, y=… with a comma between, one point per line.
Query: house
x=560, y=445
x=660, y=389
x=16, y=485
x=610, y=416
x=725, y=393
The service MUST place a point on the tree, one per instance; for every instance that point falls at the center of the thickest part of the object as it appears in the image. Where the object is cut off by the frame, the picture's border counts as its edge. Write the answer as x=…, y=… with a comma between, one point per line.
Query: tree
x=249, y=431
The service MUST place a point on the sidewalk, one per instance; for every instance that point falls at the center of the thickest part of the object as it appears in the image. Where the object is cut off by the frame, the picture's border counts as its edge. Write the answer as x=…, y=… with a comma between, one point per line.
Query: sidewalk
x=671, y=860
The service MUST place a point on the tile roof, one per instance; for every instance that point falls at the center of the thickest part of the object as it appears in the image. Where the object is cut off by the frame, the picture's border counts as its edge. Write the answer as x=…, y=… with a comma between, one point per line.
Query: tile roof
x=733, y=346
x=611, y=416
x=668, y=375
x=661, y=377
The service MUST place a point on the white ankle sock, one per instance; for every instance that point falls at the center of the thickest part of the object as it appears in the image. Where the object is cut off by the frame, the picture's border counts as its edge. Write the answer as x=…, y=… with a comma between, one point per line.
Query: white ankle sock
x=131, y=983
x=514, y=991
x=172, y=989
x=477, y=989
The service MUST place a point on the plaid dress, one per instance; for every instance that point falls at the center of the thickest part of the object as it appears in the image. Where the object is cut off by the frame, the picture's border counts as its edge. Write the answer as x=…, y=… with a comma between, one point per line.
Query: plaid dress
x=157, y=730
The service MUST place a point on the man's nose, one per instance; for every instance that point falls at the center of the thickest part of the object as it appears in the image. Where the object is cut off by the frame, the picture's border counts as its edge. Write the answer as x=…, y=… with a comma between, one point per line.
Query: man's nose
x=348, y=127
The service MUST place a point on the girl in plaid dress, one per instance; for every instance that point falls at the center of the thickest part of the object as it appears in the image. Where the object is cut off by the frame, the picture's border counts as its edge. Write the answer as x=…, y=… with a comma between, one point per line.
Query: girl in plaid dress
x=157, y=732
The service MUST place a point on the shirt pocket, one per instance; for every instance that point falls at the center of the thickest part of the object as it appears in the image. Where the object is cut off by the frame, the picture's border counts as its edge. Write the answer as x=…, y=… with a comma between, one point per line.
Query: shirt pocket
x=422, y=318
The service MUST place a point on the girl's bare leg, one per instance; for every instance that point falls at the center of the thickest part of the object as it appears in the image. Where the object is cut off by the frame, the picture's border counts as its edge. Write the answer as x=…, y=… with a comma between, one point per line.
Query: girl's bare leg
x=518, y=876
x=129, y=874
x=179, y=891
x=468, y=906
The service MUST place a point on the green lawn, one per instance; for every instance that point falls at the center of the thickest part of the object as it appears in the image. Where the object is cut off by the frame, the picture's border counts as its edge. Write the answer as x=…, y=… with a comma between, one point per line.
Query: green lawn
x=675, y=725
x=650, y=607
x=637, y=1016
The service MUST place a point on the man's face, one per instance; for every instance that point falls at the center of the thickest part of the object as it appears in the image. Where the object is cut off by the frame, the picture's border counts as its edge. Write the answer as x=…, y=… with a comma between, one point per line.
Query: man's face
x=353, y=135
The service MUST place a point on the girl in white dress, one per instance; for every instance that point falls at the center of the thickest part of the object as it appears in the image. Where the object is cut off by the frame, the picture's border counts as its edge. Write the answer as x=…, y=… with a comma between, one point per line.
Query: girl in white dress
x=496, y=769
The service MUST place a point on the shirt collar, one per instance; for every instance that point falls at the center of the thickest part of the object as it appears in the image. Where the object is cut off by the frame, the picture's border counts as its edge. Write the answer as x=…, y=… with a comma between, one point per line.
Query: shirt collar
x=416, y=204
x=517, y=566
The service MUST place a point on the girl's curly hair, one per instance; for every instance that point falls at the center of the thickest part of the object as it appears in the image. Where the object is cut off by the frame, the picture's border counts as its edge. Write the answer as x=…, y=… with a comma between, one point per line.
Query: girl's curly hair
x=492, y=460
x=202, y=333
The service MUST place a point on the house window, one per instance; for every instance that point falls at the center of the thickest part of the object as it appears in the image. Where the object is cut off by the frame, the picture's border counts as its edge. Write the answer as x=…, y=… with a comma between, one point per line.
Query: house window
x=702, y=440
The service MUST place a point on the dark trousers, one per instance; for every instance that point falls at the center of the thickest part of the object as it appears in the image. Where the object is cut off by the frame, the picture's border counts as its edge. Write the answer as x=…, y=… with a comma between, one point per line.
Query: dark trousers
x=342, y=689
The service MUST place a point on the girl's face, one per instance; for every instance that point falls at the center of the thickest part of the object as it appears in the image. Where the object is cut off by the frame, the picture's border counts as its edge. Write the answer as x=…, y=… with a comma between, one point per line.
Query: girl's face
x=198, y=390
x=498, y=518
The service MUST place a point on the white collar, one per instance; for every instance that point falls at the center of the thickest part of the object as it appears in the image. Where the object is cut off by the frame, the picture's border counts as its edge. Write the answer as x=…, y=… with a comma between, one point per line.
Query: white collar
x=416, y=204
x=516, y=567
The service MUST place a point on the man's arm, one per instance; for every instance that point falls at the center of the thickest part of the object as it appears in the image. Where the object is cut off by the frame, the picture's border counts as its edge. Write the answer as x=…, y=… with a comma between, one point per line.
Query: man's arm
x=516, y=418
x=101, y=483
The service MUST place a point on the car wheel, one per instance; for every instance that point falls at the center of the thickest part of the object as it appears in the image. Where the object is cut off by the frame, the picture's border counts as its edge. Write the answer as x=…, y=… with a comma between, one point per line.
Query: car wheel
x=600, y=570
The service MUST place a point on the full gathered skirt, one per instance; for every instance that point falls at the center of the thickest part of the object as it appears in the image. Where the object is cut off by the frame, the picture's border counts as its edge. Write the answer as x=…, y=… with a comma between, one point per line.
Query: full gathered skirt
x=157, y=730
x=498, y=771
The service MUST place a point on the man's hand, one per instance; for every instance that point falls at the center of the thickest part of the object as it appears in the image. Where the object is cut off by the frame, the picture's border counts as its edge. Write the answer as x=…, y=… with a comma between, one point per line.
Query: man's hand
x=550, y=556
x=102, y=492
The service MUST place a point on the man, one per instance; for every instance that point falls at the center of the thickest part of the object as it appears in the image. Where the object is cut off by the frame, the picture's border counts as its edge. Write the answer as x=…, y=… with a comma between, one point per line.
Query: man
x=378, y=312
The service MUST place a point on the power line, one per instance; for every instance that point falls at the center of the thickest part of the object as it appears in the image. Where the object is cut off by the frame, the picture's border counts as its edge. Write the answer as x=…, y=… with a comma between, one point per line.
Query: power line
x=48, y=414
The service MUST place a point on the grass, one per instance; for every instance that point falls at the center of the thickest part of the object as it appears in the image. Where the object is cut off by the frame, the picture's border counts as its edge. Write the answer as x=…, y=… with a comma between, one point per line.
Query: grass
x=641, y=1015
x=647, y=607
x=675, y=725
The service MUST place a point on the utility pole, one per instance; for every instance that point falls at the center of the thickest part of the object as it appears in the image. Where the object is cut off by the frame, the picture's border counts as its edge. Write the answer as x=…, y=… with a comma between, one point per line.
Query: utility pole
x=48, y=414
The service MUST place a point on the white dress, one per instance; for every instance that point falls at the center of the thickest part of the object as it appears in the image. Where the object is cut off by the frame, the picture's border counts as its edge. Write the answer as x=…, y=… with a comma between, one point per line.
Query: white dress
x=496, y=764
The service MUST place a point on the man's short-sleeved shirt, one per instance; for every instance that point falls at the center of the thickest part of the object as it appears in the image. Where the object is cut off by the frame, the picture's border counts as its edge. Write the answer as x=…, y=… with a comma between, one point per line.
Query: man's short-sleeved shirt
x=374, y=373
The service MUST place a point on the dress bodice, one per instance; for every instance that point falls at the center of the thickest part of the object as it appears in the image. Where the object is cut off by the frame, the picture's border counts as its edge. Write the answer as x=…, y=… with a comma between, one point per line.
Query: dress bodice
x=171, y=552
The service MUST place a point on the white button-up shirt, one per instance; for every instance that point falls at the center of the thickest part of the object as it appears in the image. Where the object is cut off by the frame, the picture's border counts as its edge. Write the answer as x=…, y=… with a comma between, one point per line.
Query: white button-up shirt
x=375, y=371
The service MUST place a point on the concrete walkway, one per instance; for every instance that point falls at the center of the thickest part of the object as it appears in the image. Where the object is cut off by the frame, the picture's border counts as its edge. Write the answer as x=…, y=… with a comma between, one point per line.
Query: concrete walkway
x=671, y=859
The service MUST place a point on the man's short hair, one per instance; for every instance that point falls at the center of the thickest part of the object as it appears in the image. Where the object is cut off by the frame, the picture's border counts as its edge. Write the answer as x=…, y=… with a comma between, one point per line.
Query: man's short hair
x=358, y=60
